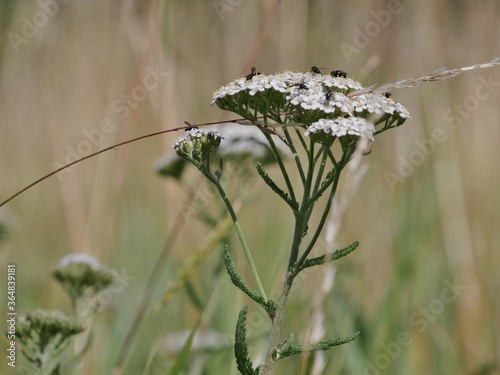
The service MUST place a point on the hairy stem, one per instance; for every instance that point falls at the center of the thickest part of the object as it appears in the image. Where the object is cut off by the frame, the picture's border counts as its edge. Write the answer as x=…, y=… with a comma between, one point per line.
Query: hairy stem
x=302, y=217
x=274, y=335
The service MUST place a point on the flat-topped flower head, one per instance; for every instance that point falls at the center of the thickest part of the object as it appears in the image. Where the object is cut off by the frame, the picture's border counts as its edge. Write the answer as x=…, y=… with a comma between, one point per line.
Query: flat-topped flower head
x=44, y=334
x=81, y=276
x=45, y=324
x=79, y=258
x=197, y=145
x=325, y=131
x=305, y=98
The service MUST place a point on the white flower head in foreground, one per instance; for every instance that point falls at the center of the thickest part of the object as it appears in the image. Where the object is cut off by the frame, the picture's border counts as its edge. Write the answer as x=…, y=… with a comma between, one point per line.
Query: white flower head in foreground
x=197, y=145
x=247, y=142
x=305, y=98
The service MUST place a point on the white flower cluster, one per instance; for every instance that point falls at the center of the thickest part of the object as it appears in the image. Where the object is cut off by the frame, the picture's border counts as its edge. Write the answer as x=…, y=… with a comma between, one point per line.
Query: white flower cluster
x=332, y=104
x=287, y=82
x=313, y=91
x=341, y=126
x=378, y=104
x=80, y=258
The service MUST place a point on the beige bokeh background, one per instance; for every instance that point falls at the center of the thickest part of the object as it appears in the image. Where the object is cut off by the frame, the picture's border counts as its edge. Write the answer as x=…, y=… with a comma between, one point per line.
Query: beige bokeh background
x=440, y=223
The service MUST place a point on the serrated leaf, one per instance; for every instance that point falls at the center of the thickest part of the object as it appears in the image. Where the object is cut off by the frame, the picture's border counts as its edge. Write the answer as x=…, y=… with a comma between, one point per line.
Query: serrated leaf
x=322, y=345
x=269, y=182
x=284, y=346
x=268, y=305
x=243, y=361
x=328, y=344
x=329, y=257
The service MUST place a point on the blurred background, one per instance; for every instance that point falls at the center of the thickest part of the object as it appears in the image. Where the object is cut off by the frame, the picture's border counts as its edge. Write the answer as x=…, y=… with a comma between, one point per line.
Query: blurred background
x=423, y=287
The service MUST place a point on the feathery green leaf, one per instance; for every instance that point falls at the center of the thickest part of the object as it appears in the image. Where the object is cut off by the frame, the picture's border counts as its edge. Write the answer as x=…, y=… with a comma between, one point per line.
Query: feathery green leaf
x=329, y=257
x=268, y=305
x=243, y=361
x=293, y=205
x=322, y=345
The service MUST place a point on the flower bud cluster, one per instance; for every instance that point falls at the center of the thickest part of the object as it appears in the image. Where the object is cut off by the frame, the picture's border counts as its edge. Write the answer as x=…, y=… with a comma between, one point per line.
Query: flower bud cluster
x=197, y=145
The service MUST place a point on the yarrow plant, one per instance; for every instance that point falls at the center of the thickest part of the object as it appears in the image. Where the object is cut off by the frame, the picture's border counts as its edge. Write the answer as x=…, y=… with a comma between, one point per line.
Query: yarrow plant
x=82, y=277
x=44, y=334
x=320, y=119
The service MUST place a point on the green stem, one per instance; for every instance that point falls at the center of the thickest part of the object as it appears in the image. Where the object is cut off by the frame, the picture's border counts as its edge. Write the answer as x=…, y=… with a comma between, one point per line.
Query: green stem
x=300, y=223
x=322, y=166
x=321, y=223
x=295, y=155
x=274, y=335
x=239, y=231
x=332, y=158
x=281, y=166
x=301, y=138
x=303, y=214
x=337, y=169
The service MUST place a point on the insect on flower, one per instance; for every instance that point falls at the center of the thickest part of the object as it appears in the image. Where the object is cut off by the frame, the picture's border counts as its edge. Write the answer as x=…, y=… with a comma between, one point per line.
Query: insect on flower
x=189, y=126
x=328, y=95
x=253, y=73
x=387, y=95
x=301, y=85
x=316, y=70
x=338, y=73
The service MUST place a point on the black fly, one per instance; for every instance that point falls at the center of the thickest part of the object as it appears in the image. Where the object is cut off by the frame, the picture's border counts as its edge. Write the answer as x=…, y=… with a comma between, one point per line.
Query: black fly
x=301, y=86
x=253, y=73
x=315, y=69
x=338, y=73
